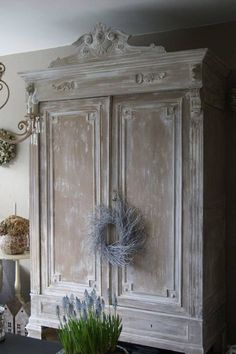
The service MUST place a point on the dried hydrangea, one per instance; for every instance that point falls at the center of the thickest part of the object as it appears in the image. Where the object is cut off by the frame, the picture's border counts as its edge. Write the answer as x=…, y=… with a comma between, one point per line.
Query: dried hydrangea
x=14, y=226
x=7, y=150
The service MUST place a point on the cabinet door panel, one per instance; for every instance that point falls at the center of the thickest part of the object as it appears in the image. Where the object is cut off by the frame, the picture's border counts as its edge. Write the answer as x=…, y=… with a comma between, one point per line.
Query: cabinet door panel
x=74, y=181
x=148, y=148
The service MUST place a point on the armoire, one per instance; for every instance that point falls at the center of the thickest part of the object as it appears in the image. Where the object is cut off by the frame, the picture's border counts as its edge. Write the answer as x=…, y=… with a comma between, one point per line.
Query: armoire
x=150, y=125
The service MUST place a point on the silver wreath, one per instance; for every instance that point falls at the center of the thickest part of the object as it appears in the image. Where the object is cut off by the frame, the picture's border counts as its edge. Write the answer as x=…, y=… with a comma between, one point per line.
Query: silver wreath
x=130, y=229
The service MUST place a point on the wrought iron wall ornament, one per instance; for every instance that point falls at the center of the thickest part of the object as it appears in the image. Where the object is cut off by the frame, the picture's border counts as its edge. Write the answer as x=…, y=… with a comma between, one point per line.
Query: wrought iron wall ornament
x=3, y=85
x=27, y=126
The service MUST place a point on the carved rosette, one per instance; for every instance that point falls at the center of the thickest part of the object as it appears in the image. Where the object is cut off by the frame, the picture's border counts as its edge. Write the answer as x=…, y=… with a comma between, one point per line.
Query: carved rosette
x=127, y=113
x=104, y=42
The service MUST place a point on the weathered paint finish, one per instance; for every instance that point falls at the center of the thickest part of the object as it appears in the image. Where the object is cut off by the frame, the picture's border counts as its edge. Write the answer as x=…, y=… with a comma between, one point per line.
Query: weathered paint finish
x=152, y=126
x=74, y=159
x=148, y=145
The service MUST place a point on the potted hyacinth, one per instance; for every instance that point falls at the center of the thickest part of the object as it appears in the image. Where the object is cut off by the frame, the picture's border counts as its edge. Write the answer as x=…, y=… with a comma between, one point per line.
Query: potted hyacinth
x=86, y=327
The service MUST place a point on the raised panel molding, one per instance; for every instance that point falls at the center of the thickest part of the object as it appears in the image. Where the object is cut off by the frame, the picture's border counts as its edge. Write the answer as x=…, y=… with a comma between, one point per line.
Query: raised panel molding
x=147, y=124
x=59, y=119
x=169, y=113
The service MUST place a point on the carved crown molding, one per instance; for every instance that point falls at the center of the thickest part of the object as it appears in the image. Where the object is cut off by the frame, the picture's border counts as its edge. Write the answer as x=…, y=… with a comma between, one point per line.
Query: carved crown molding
x=101, y=43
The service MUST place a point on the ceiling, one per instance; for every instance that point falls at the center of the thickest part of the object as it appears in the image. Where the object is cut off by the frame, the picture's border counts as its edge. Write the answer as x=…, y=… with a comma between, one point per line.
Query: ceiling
x=28, y=25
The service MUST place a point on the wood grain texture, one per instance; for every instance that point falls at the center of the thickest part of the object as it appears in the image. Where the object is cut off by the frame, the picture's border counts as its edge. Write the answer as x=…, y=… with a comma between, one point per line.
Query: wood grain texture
x=151, y=126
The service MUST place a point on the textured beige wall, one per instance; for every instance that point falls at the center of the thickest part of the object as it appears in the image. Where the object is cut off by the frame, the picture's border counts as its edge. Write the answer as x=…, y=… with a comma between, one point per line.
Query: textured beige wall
x=14, y=179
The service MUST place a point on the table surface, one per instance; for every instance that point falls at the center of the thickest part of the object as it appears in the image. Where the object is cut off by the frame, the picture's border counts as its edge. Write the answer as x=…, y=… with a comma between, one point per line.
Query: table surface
x=14, y=257
x=15, y=344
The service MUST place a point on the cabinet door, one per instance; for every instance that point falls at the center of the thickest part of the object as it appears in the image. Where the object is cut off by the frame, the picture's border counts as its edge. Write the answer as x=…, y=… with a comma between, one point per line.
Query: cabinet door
x=74, y=168
x=147, y=169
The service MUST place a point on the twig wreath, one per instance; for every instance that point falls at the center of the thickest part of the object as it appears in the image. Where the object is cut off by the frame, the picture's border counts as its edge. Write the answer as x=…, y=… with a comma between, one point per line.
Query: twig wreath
x=130, y=229
x=7, y=150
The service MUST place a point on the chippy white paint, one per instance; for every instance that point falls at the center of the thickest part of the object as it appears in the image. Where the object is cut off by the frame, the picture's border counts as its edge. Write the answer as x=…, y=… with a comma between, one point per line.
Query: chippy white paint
x=149, y=137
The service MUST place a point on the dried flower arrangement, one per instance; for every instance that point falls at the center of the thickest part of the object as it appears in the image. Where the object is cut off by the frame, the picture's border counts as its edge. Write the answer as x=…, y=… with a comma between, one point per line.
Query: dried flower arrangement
x=86, y=327
x=7, y=150
x=14, y=226
x=130, y=228
x=13, y=234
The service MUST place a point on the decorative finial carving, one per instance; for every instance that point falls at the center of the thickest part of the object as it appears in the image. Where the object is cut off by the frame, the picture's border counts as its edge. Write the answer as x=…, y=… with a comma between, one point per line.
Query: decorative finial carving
x=104, y=42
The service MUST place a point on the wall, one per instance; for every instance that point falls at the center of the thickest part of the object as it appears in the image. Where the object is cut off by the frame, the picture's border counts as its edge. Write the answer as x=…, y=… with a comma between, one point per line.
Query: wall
x=219, y=38
x=14, y=179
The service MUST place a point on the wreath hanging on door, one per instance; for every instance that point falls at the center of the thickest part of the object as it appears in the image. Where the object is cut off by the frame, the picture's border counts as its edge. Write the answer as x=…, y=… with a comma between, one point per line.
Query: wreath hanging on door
x=130, y=230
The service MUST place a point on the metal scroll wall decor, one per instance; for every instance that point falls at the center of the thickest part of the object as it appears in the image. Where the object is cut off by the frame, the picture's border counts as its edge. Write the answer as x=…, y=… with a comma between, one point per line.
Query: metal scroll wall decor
x=30, y=124
x=3, y=87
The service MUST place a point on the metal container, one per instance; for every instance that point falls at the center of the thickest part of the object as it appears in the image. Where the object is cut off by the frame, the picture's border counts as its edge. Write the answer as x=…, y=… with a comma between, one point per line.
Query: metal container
x=2, y=329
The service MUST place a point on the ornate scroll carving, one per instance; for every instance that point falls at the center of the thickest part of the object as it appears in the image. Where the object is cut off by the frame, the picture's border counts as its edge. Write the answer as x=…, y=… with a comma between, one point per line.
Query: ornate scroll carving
x=148, y=78
x=65, y=86
x=195, y=103
x=196, y=72
x=103, y=42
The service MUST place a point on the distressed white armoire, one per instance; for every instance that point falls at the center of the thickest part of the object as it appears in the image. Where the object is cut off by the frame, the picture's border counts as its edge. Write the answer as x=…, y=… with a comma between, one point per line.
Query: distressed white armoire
x=149, y=124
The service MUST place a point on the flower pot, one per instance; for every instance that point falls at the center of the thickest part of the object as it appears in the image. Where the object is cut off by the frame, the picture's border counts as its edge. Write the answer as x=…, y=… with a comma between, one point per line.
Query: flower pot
x=119, y=350
x=13, y=244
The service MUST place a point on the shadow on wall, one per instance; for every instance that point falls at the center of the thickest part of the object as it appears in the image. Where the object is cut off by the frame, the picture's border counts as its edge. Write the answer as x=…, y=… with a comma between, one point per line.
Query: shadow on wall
x=218, y=38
